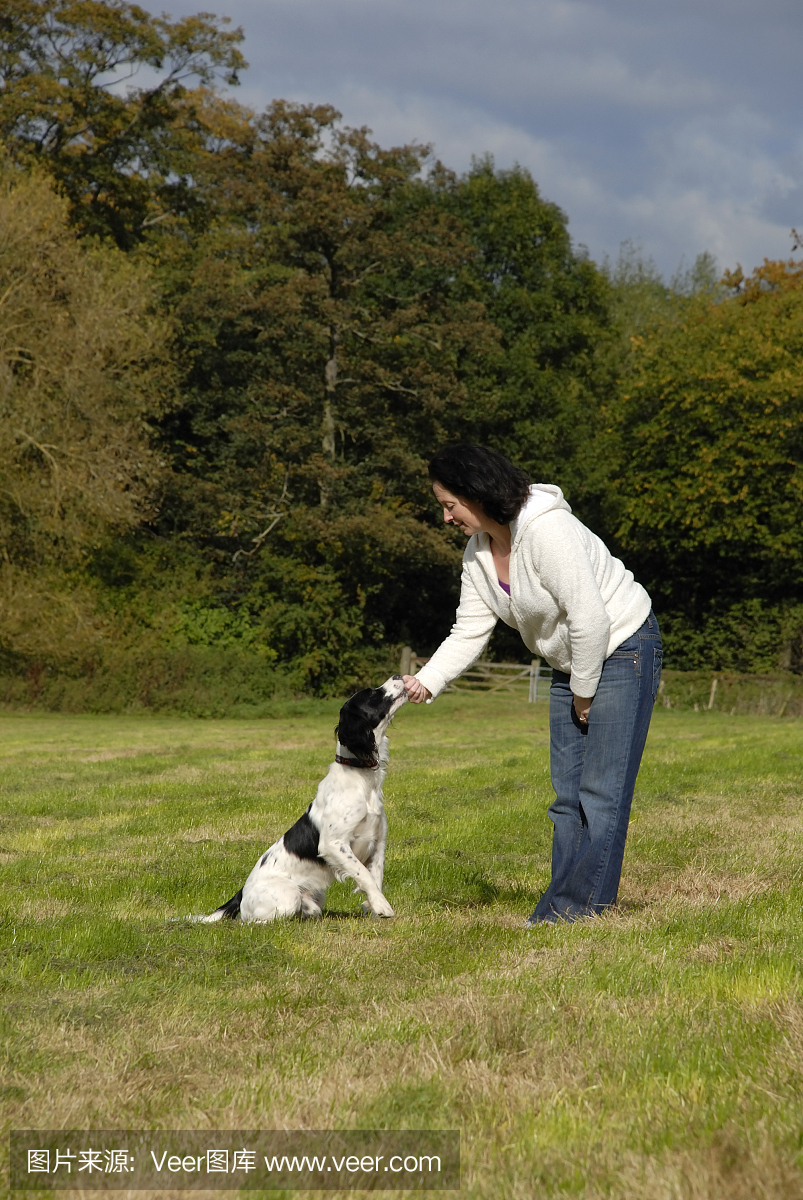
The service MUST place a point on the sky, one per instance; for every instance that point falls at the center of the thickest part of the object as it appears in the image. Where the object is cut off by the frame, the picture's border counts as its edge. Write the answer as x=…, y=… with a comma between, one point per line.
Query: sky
x=672, y=124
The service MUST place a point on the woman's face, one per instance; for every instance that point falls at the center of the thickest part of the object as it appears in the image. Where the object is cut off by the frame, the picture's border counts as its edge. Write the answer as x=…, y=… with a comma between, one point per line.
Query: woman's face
x=460, y=512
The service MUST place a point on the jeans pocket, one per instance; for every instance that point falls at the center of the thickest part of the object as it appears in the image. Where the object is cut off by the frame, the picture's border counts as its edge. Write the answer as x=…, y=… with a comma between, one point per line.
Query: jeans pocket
x=657, y=663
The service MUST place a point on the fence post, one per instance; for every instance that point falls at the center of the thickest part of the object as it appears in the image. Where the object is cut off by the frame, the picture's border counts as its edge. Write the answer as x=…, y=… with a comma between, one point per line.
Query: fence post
x=713, y=694
x=535, y=664
x=405, y=660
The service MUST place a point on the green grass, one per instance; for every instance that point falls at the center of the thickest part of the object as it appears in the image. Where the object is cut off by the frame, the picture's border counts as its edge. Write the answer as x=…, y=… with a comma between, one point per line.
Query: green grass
x=653, y=1054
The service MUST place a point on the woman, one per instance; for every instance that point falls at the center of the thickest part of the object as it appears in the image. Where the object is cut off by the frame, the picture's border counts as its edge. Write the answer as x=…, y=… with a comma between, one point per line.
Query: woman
x=532, y=563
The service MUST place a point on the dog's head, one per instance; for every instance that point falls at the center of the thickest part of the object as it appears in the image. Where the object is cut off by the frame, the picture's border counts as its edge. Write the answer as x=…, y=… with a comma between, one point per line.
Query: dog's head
x=365, y=717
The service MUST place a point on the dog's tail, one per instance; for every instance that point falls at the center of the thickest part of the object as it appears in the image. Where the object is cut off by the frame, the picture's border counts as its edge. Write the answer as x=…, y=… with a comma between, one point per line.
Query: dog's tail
x=229, y=911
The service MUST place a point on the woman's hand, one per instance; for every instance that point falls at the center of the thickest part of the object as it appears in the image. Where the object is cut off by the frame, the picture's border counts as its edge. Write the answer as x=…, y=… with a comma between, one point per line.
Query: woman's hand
x=416, y=692
x=582, y=704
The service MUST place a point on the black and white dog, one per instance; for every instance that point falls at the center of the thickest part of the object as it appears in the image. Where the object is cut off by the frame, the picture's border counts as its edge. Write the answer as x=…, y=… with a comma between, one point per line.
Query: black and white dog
x=342, y=834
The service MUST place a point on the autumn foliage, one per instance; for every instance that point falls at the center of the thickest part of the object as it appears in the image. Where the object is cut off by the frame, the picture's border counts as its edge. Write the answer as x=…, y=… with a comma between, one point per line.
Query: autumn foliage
x=710, y=492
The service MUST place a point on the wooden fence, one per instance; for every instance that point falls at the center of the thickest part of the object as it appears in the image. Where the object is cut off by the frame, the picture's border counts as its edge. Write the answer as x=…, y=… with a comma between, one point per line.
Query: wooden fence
x=773, y=695
x=490, y=676
x=776, y=695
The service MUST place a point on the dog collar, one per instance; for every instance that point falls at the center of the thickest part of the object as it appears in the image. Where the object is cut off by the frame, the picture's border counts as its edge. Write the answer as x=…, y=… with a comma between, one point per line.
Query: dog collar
x=353, y=762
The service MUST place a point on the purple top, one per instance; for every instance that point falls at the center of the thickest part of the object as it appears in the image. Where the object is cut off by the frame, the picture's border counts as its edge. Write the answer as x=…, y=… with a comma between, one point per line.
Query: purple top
x=504, y=586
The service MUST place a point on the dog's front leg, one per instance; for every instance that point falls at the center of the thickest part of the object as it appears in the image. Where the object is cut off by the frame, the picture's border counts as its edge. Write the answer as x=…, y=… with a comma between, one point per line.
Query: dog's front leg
x=376, y=862
x=345, y=864
x=376, y=866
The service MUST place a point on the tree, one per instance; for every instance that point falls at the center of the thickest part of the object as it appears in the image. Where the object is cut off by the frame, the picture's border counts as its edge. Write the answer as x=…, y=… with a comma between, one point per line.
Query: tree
x=328, y=351
x=552, y=364
x=345, y=315
x=709, y=485
x=83, y=369
x=642, y=298
x=338, y=268
x=123, y=157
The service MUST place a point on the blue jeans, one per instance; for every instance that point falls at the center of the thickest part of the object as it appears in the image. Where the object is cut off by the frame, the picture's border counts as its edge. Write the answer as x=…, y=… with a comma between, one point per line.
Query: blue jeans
x=594, y=770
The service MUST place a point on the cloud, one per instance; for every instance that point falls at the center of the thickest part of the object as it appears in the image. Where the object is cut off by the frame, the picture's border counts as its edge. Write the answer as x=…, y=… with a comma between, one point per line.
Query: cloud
x=670, y=124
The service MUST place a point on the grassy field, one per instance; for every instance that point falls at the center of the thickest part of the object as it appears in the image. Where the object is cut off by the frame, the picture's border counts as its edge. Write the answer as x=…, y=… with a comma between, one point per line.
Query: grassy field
x=652, y=1054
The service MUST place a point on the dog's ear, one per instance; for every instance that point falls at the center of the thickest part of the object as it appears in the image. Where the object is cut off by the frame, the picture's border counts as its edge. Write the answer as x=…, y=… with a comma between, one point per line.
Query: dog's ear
x=355, y=729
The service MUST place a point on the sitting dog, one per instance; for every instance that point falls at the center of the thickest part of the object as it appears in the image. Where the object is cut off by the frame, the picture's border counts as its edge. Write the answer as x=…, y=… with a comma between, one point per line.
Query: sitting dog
x=342, y=834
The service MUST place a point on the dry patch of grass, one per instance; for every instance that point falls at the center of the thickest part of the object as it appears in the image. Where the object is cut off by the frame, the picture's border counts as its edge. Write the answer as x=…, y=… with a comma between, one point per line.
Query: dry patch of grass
x=725, y=1171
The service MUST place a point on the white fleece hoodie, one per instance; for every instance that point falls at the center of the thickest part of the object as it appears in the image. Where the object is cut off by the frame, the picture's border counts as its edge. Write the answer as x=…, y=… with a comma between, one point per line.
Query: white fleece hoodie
x=572, y=602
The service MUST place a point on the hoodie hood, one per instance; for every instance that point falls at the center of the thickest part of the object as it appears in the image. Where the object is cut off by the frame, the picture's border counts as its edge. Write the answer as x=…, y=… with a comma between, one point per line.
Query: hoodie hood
x=544, y=498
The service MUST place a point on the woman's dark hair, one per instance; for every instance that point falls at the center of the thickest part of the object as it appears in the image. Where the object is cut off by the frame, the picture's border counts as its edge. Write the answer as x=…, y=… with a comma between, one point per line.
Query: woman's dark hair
x=483, y=476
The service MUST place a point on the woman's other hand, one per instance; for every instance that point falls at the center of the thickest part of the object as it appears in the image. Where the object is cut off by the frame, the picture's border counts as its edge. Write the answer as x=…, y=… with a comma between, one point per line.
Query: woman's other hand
x=416, y=692
x=582, y=704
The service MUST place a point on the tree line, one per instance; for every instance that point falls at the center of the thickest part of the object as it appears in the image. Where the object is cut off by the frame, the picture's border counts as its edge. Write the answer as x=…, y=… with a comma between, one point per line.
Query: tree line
x=230, y=341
